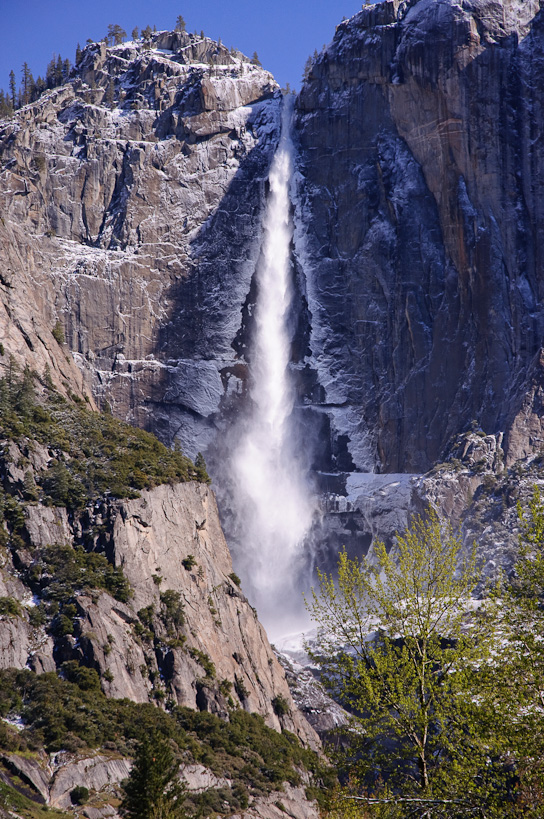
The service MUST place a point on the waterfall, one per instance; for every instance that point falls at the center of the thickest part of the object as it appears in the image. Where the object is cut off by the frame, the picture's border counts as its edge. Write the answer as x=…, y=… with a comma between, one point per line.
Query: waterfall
x=275, y=507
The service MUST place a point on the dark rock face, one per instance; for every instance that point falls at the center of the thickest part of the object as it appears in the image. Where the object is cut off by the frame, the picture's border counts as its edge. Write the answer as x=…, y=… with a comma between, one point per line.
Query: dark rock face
x=421, y=222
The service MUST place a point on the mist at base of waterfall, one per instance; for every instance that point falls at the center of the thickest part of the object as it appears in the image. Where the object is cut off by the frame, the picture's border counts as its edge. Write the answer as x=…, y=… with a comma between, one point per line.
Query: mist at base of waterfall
x=274, y=504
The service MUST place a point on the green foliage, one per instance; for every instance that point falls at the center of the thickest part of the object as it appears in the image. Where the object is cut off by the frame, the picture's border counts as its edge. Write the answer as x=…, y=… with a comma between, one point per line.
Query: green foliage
x=79, y=795
x=73, y=711
x=86, y=679
x=280, y=705
x=172, y=606
x=204, y=660
x=95, y=453
x=153, y=789
x=200, y=466
x=180, y=23
x=188, y=562
x=517, y=684
x=58, y=333
x=30, y=489
x=15, y=803
x=240, y=688
x=61, y=571
x=398, y=650
x=235, y=579
x=115, y=35
x=10, y=607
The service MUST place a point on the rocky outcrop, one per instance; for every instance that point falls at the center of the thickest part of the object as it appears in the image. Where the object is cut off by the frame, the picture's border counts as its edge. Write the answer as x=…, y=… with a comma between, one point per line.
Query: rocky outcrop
x=132, y=217
x=51, y=780
x=420, y=223
x=187, y=632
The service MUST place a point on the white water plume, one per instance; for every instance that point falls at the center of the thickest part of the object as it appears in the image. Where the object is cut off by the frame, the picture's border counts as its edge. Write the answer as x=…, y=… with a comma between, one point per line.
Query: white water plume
x=275, y=507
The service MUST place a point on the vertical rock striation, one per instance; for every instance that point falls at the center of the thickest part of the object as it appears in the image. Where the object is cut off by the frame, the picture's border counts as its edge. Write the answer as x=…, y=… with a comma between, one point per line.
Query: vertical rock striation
x=421, y=222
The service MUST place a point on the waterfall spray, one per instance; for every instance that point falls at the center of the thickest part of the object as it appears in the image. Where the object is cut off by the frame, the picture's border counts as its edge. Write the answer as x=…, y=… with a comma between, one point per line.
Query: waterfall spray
x=275, y=508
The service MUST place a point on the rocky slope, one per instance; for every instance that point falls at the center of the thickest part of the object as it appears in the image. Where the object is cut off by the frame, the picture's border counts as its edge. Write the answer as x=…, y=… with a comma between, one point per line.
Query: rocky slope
x=126, y=592
x=185, y=631
x=420, y=226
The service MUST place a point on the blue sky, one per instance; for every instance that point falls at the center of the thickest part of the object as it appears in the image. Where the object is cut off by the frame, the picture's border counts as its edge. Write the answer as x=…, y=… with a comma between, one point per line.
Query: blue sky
x=283, y=32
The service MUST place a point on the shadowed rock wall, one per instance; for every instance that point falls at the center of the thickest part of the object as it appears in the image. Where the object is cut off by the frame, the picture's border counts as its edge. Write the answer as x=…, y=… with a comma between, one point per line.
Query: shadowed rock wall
x=420, y=129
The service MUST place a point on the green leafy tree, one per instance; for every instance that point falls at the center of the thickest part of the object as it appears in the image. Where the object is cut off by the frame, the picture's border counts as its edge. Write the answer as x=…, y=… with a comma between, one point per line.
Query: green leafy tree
x=398, y=650
x=153, y=789
x=518, y=675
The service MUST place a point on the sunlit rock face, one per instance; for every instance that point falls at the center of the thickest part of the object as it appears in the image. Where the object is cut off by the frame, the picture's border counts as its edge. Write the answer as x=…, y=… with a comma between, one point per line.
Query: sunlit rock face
x=132, y=206
x=421, y=221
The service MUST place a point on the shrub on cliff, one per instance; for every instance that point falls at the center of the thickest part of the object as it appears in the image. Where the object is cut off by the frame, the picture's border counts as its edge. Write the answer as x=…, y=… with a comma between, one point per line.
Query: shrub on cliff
x=60, y=571
x=95, y=453
x=74, y=712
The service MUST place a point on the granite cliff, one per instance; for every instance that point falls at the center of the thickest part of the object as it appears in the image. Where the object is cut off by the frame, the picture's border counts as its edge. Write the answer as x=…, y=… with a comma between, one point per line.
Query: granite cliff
x=132, y=215
x=421, y=225
x=133, y=199
x=127, y=593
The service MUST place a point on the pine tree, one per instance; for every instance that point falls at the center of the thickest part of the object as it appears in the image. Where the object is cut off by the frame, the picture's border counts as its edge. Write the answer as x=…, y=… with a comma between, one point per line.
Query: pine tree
x=58, y=71
x=50, y=78
x=40, y=87
x=6, y=108
x=30, y=489
x=153, y=790
x=13, y=88
x=25, y=396
x=135, y=34
x=79, y=54
x=255, y=59
x=27, y=86
x=66, y=70
x=115, y=35
x=180, y=23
